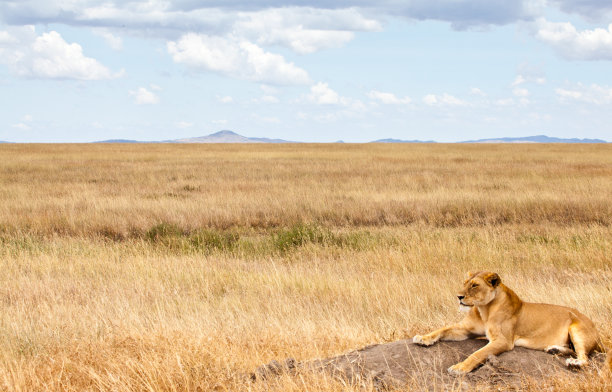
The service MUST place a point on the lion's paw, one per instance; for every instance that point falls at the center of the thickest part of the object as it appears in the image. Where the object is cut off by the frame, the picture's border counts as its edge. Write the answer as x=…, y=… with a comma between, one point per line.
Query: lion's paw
x=422, y=341
x=558, y=350
x=574, y=363
x=554, y=350
x=458, y=369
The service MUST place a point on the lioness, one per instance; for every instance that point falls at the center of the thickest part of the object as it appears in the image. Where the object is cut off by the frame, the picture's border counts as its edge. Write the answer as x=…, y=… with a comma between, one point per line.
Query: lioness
x=497, y=312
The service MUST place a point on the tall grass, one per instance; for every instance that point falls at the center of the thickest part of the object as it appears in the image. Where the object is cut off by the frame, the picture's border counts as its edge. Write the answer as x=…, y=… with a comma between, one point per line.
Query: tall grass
x=183, y=268
x=123, y=191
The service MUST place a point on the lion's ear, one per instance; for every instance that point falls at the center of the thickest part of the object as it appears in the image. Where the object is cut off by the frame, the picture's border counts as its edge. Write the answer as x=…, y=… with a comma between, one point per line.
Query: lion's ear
x=492, y=279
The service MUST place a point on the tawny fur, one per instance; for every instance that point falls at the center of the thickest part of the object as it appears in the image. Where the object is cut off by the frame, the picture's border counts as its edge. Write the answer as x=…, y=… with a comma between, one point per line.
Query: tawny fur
x=496, y=312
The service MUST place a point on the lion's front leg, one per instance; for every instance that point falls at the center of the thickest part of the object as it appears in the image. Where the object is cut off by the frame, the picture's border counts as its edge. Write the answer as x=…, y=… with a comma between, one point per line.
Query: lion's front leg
x=479, y=356
x=500, y=340
x=452, y=332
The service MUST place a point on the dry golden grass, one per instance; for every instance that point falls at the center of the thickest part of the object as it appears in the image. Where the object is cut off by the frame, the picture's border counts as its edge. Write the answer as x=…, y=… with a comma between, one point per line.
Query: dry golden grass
x=121, y=190
x=184, y=267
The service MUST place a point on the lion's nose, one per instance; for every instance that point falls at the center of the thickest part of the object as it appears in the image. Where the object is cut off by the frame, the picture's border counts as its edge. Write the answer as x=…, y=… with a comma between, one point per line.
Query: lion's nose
x=461, y=297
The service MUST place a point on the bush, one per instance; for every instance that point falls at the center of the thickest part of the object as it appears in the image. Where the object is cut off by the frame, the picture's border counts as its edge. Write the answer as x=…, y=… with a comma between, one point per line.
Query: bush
x=300, y=235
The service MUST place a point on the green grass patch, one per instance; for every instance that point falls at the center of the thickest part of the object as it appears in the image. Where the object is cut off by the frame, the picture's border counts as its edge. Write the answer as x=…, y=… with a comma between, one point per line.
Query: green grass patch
x=301, y=235
x=173, y=237
x=538, y=239
x=178, y=240
x=211, y=239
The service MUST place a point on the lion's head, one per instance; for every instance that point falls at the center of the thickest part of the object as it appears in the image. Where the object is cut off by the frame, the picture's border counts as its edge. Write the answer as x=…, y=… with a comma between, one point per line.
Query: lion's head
x=479, y=289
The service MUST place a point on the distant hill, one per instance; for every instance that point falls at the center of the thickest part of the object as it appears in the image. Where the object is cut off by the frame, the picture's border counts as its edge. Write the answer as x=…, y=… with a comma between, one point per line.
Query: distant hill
x=233, y=137
x=534, y=139
x=401, y=141
x=118, y=141
x=228, y=137
x=217, y=137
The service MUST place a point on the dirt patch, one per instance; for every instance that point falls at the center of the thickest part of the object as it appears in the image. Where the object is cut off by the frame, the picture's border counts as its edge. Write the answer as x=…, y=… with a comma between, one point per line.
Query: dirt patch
x=403, y=363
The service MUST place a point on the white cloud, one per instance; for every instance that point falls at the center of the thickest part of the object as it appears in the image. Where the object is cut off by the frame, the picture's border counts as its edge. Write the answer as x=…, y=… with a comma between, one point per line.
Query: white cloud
x=430, y=99
x=529, y=73
x=221, y=16
x=269, y=90
x=7, y=39
x=269, y=99
x=303, y=29
x=142, y=96
x=352, y=112
x=22, y=126
x=268, y=120
x=592, y=9
x=504, y=102
x=184, y=124
x=307, y=41
x=444, y=99
x=522, y=79
x=234, y=37
x=388, y=98
x=337, y=106
x=48, y=56
x=573, y=94
x=219, y=122
x=540, y=116
x=112, y=40
x=478, y=92
x=225, y=99
x=235, y=58
x=520, y=92
x=572, y=44
x=593, y=94
x=322, y=94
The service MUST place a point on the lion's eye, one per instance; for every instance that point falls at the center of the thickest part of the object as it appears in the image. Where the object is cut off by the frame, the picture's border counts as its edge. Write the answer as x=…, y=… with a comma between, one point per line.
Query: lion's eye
x=474, y=285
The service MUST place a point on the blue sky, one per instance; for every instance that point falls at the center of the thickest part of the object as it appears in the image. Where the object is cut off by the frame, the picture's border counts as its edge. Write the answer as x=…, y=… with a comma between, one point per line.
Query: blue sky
x=314, y=71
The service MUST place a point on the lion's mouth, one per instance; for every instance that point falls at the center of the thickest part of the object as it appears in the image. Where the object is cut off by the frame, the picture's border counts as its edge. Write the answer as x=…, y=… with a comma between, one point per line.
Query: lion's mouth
x=462, y=304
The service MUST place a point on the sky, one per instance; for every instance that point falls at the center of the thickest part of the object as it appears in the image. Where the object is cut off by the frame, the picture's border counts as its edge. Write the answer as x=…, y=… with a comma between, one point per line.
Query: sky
x=311, y=71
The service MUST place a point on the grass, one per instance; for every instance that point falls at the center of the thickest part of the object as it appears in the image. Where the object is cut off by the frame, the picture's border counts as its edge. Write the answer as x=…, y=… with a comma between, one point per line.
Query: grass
x=124, y=190
x=171, y=237
x=183, y=268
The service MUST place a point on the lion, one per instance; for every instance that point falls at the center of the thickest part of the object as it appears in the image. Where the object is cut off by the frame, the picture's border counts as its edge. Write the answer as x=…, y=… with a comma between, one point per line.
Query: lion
x=495, y=311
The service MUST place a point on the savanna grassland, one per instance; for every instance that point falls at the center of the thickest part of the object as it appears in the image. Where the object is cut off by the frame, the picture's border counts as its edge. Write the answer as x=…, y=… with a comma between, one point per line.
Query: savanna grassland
x=165, y=267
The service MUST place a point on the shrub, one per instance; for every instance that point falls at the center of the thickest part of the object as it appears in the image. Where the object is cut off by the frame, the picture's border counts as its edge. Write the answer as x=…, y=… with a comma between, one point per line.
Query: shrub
x=300, y=235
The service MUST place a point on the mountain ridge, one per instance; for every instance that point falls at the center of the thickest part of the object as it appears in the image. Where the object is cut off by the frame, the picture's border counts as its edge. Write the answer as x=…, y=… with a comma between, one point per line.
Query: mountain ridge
x=227, y=136
x=534, y=139
x=391, y=140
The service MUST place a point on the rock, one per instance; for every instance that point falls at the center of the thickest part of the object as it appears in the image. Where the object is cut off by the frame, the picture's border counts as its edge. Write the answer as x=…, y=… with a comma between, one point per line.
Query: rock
x=274, y=368
x=402, y=363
